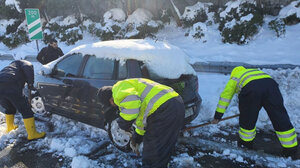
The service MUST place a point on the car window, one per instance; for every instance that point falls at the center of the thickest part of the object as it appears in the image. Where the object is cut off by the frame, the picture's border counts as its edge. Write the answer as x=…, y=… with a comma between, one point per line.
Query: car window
x=98, y=68
x=69, y=66
x=122, y=70
x=147, y=73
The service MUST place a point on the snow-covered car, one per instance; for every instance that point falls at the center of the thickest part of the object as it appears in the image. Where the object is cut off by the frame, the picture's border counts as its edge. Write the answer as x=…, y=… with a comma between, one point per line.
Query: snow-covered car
x=68, y=85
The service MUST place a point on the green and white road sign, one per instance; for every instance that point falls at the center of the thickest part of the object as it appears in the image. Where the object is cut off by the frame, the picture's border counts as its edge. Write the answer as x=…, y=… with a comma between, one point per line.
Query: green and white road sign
x=34, y=24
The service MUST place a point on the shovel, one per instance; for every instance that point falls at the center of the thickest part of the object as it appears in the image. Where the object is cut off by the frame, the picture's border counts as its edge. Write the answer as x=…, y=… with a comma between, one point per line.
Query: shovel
x=208, y=123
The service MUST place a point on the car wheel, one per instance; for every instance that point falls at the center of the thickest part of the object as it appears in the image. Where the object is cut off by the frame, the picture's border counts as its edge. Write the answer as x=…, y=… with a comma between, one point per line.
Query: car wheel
x=119, y=137
x=37, y=106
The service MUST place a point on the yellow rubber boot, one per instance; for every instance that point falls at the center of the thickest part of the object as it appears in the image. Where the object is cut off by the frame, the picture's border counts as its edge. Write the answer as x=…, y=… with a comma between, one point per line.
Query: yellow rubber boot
x=10, y=122
x=31, y=131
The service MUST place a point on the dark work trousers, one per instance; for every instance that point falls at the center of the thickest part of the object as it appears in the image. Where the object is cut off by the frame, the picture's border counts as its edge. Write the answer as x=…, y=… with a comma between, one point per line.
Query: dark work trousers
x=162, y=131
x=263, y=93
x=12, y=99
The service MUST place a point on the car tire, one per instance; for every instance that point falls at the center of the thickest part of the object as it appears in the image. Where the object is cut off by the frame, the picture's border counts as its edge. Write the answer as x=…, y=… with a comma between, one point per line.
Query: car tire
x=37, y=105
x=118, y=137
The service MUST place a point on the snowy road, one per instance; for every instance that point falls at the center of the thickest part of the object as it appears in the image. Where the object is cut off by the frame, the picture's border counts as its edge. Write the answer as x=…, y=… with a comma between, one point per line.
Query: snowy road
x=73, y=144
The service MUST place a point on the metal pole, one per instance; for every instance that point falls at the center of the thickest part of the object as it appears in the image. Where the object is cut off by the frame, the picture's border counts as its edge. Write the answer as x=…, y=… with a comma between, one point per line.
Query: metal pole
x=208, y=123
x=29, y=95
x=37, y=45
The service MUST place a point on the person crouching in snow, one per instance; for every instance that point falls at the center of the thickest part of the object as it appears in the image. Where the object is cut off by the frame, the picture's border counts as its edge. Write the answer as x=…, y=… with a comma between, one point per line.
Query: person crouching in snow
x=156, y=111
x=12, y=80
x=257, y=89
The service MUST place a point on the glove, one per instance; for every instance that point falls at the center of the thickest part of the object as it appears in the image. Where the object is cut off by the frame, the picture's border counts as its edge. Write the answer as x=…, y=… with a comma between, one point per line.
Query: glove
x=136, y=138
x=218, y=115
x=124, y=125
x=34, y=92
x=135, y=143
x=30, y=86
x=215, y=121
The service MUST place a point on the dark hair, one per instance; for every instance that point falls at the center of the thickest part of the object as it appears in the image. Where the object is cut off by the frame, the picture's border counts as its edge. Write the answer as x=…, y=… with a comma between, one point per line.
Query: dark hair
x=52, y=41
x=104, y=94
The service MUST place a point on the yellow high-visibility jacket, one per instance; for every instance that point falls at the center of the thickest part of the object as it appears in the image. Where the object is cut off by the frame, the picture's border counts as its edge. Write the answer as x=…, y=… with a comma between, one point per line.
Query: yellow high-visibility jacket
x=239, y=78
x=138, y=98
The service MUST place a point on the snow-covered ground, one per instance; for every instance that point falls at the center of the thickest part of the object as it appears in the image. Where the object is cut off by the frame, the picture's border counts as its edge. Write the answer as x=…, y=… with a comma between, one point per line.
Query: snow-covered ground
x=73, y=141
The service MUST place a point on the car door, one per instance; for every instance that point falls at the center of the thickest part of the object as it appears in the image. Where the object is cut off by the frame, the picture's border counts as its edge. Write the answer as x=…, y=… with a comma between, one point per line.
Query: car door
x=97, y=72
x=57, y=89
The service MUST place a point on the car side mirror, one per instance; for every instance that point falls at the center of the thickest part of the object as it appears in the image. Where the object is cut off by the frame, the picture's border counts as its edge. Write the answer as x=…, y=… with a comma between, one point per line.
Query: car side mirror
x=42, y=72
x=53, y=73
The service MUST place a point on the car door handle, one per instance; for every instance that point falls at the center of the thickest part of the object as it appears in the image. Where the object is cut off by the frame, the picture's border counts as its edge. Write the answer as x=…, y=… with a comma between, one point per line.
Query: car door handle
x=68, y=82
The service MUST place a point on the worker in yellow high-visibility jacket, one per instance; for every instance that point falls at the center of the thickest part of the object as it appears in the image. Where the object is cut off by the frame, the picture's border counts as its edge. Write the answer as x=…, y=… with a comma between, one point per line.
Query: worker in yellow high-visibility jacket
x=156, y=111
x=256, y=89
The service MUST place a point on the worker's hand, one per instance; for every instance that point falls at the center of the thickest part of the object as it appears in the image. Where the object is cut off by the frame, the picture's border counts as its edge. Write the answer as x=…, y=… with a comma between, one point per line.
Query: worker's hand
x=135, y=143
x=215, y=121
x=30, y=86
x=124, y=125
x=33, y=91
x=136, y=138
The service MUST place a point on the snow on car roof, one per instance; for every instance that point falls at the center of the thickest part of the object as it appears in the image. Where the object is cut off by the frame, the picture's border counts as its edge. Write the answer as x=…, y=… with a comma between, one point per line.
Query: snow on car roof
x=162, y=58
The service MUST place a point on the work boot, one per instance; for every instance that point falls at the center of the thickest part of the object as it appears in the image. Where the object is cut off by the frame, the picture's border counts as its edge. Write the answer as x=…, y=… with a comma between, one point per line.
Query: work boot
x=10, y=122
x=31, y=131
x=245, y=144
x=290, y=152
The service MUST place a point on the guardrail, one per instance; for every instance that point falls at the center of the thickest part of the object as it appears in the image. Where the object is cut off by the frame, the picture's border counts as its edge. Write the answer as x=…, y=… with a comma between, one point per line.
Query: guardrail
x=226, y=67
x=31, y=58
x=6, y=57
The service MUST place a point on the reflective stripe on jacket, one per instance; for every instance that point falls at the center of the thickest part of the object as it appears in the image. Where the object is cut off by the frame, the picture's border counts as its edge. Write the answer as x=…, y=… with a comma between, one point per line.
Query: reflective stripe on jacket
x=138, y=98
x=236, y=82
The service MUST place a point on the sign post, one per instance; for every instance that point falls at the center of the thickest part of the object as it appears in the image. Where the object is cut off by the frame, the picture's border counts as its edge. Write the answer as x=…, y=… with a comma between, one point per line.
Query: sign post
x=34, y=25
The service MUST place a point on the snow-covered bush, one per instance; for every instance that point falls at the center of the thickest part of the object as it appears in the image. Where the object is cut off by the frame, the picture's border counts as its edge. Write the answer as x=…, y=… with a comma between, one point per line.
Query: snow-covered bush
x=240, y=21
x=195, y=18
x=140, y=24
x=165, y=15
x=113, y=24
x=16, y=34
x=114, y=15
x=213, y=14
x=71, y=35
x=196, y=13
x=95, y=29
x=278, y=26
x=9, y=11
x=111, y=32
x=198, y=31
x=50, y=32
x=66, y=29
x=291, y=13
x=148, y=30
x=13, y=31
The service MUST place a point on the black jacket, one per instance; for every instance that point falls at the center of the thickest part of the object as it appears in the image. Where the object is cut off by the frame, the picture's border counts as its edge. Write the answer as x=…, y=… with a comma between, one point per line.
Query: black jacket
x=48, y=54
x=18, y=72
